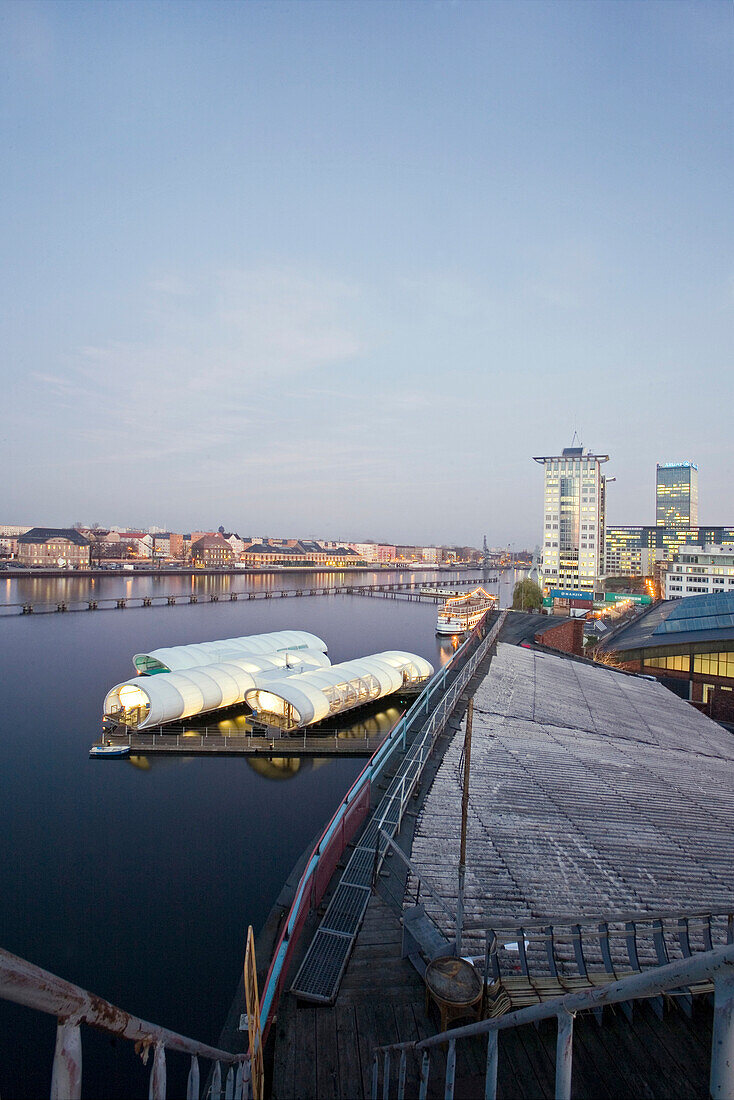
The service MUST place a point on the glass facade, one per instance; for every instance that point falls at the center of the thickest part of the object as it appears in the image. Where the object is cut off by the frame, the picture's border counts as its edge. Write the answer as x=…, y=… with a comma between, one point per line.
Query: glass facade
x=714, y=664
x=573, y=542
x=626, y=546
x=678, y=663
x=676, y=495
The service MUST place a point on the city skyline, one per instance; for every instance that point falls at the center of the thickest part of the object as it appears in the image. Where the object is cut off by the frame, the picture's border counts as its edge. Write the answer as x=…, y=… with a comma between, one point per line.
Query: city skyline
x=341, y=270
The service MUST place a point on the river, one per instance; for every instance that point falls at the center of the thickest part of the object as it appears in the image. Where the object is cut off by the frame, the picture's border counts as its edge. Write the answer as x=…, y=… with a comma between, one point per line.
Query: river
x=139, y=882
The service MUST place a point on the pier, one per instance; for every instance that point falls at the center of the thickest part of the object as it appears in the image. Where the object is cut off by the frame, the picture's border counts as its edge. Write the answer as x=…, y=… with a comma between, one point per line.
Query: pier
x=218, y=743
x=409, y=590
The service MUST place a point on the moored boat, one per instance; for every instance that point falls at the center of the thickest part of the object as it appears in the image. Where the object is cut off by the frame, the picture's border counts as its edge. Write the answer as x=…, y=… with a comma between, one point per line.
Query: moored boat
x=463, y=611
x=109, y=750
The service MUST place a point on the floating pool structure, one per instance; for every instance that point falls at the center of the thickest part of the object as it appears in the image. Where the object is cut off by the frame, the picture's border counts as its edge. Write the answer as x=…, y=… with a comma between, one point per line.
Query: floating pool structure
x=285, y=678
x=155, y=700
x=175, y=658
x=300, y=700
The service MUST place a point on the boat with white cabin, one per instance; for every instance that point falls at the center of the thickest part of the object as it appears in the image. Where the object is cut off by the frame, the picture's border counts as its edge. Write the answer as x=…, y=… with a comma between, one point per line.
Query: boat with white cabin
x=463, y=611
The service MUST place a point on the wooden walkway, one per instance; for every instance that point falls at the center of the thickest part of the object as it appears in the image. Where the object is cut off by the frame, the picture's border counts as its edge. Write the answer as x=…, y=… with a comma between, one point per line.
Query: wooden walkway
x=195, y=744
x=325, y=1053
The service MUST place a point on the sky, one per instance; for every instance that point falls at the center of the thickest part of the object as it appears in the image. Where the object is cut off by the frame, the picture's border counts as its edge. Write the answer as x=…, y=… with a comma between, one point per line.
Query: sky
x=342, y=269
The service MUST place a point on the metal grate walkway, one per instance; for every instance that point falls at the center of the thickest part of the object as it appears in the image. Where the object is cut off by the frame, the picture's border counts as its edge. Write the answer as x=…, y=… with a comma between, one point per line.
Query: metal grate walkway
x=321, y=971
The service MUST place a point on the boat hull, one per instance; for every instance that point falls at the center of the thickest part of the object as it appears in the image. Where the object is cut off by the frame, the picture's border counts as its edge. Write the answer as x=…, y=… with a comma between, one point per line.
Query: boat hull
x=111, y=751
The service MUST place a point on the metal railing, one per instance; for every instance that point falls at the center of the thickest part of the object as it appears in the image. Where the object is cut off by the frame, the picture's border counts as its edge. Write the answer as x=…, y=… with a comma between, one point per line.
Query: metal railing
x=346, y=821
x=204, y=742
x=26, y=984
x=324, y=964
x=716, y=966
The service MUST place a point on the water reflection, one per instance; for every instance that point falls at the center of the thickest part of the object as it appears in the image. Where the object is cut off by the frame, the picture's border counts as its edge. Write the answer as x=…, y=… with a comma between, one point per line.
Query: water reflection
x=48, y=591
x=276, y=767
x=142, y=763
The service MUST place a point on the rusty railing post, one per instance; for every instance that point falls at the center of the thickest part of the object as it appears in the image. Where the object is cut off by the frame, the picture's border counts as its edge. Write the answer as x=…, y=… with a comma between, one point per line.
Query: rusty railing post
x=564, y=1055
x=66, y=1077
x=192, y=1084
x=722, y=1042
x=158, y=1074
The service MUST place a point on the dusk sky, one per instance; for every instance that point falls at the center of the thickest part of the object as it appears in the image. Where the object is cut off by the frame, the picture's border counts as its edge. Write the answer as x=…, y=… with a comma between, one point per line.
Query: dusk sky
x=341, y=269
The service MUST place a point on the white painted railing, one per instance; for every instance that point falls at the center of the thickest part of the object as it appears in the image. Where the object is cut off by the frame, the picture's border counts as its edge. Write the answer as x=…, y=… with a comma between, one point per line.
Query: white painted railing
x=26, y=984
x=716, y=966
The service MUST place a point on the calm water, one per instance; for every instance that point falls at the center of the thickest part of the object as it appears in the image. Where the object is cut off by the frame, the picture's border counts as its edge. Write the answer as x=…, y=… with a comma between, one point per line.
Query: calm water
x=139, y=882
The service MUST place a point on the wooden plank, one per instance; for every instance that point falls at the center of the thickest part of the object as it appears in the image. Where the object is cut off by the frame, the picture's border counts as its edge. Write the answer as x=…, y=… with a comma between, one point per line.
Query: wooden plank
x=672, y=1076
x=408, y=1033
x=284, y=1068
x=306, y=1053
x=587, y=1046
x=368, y=1039
x=538, y=1073
x=424, y=1027
x=688, y=1042
x=350, y=1071
x=618, y=1037
x=327, y=1063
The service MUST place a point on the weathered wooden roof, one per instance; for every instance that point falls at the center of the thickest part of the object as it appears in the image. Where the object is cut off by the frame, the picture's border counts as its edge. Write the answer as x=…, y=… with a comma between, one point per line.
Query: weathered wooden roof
x=591, y=792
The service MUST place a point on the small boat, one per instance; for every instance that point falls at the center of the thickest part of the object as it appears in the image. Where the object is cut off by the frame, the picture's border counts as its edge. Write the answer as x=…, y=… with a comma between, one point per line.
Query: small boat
x=463, y=611
x=110, y=750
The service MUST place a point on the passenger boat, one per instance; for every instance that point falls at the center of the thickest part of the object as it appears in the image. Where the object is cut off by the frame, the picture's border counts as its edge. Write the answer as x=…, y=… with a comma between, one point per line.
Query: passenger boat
x=463, y=611
x=110, y=750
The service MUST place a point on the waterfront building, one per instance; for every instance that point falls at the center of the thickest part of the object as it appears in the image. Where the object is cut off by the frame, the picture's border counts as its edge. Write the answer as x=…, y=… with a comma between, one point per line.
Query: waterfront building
x=574, y=501
x=700, y=569
x=688, y=643
x=54, y=546
x=297, y=552
x=212, y=550
x=373, y=551
x=676, y=495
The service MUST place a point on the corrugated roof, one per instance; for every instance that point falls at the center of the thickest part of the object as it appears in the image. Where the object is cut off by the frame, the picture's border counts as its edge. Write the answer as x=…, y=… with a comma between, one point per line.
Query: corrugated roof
x=590, y=792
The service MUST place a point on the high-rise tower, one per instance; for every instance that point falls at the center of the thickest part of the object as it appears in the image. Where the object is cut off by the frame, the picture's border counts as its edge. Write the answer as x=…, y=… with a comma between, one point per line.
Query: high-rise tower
x=573, y=525
x=676, y=495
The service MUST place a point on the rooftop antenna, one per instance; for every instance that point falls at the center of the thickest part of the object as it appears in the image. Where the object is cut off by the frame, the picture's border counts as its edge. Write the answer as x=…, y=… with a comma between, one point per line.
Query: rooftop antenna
x=576, y=441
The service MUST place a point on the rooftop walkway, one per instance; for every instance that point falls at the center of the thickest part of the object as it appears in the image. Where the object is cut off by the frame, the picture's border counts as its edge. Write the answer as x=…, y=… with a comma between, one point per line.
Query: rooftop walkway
x=325, y=1052
x=591, y=792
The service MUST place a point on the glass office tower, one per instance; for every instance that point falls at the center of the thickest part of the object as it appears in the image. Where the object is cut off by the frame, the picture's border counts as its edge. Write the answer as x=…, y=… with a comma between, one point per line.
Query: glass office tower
x=676, y=495
x=573, y=544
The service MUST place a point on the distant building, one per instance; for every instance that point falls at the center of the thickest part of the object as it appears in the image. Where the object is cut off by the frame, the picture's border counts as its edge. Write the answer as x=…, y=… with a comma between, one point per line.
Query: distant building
x=212, y=550
x=234, y=540
x=140, y=543
x=676, y=495
x=574, y=500
x=633, y=551
x=700, y=569
x=627, y=552
x=62, y=547
x=373, y=551
x=409, y=553
x=9, y=533
x=295, y=552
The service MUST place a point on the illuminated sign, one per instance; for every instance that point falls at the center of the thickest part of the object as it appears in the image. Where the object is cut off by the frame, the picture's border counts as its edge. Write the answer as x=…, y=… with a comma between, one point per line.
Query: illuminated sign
x=626, y=597
x=570, y=594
